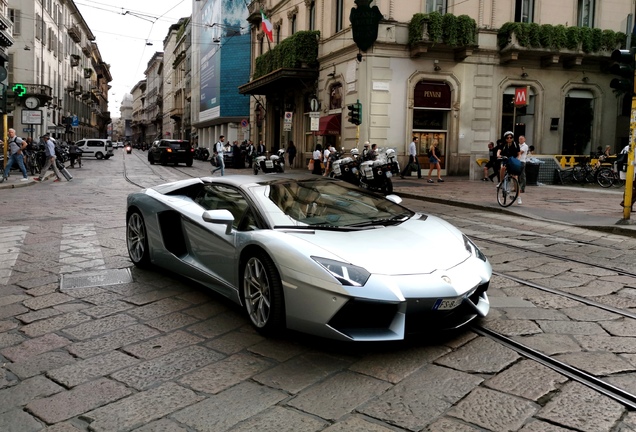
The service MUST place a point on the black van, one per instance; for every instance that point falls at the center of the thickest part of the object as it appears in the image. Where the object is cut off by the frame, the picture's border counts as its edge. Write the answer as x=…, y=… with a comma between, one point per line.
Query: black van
x=172, y=151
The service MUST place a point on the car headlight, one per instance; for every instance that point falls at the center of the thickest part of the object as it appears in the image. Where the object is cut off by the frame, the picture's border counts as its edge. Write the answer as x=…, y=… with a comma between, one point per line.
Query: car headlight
x=473, y=249
x=346, y=274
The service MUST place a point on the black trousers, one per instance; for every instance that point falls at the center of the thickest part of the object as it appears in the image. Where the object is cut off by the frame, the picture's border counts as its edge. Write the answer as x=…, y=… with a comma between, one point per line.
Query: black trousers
x=407, y=169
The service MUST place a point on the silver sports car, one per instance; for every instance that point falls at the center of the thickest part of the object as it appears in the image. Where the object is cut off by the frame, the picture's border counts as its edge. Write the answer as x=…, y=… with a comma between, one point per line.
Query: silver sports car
x=312, y=254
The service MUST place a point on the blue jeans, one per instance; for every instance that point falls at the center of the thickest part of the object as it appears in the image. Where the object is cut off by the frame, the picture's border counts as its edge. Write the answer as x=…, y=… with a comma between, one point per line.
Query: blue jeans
x=19, y=159
x=221, y=165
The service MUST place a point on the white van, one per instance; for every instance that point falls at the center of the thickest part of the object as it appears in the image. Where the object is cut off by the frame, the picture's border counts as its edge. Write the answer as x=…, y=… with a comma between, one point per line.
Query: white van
x=95, y=147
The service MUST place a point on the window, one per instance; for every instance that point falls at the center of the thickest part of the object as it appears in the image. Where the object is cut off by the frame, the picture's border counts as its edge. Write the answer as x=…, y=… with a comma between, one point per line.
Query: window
x=586, y=13
x=14, y=16
x=436, y=6
x=292, y=24
x=38, y=26
x=312, y=15
x=524, y=10
x=219, y=197
x=339, y=15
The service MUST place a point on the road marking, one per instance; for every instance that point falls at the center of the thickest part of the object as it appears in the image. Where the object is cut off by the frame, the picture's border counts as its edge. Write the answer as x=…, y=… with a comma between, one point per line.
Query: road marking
x=12, y=240
x=80, y=249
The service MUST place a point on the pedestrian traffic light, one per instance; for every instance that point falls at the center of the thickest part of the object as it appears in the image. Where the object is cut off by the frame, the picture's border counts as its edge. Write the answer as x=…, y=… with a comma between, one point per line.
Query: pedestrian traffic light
x=9, y=98
x=623, y=67
x=355, y=113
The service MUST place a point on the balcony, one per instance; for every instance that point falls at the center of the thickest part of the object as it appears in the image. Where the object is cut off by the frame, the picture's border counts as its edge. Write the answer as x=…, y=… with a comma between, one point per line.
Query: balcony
x=43, y=92
x=86, y=49
x=176, y=114
x=426, y=34
x=75, y=60
x=74, y=33
x=88, y=72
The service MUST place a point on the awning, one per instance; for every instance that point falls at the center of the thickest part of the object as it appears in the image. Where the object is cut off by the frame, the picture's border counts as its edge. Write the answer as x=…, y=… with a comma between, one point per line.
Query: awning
x=329, y=125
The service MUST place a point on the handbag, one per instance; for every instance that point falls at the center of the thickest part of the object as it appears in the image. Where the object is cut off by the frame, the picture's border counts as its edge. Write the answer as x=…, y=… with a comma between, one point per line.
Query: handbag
x=310, y=165
x=513, y=166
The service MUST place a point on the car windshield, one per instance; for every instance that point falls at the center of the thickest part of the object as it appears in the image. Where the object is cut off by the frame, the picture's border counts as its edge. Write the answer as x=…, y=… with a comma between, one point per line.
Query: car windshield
x=319, y=203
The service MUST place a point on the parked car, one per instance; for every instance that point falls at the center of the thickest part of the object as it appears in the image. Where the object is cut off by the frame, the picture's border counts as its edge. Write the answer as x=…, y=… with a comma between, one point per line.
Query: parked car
x=99, y=148
x=167, y=151
x=312, y=254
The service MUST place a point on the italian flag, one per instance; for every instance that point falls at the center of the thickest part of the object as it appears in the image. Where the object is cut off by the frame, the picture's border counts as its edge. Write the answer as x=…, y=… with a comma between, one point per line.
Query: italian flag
x=266, y=25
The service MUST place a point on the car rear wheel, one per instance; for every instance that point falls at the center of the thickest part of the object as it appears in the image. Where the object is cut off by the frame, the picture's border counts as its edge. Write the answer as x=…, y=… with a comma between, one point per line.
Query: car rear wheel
x=263, y=294
x=189, y=163
x=151, y=159
x=137, y=240
x=99, y=155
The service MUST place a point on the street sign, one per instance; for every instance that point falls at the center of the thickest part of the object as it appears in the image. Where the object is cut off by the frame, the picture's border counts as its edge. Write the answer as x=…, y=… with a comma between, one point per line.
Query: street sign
x=314, y=123
x=32, y=117
x=28, y=129
x=244, y=123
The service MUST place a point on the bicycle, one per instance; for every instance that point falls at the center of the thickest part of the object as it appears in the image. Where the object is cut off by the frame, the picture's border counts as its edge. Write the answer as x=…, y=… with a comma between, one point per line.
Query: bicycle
x=607, y=177
x=507, y=190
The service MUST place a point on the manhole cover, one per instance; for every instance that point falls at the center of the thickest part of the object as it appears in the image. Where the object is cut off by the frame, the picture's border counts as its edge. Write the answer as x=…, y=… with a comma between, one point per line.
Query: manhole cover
x=95, y=278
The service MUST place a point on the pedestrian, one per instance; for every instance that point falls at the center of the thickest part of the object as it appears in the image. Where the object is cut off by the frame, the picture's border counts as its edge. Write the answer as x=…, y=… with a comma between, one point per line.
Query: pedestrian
x=433, y=162
x=523, y=156
x=74, y=153
x=291, y=153
x=373, y=153
x=316, y=157
x=413, y=162
x=236, y=156
x=49, y=151
x=219, y=150
x=510, y=150
x=492, y=162
x=260, y=149
x=325, y=160
x=16, y=145
x=250, y=153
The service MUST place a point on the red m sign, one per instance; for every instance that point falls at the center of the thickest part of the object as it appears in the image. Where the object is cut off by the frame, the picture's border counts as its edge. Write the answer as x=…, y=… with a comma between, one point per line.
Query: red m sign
x=521, y=96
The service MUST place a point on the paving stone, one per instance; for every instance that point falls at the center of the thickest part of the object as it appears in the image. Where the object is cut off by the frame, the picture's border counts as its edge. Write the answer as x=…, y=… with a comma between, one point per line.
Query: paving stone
x=513, y=327
x=19, y=421
x=581, y=408
x=86, y=370
x=9, y=339
x=535, y=313
x=541, y=299
x=278, y=349
x=56, y=323
x=112, y=341
x=62, y=427
x=141, y=408
x=162, y=345
x=196, y=297
x=613, y=344
x=278, y=419
x=357, y=424
x=7, y=325
x=80, y=293
x=597, y=363
x=167, y=367
x=159, y=308
x=151, y=296
x=589, y=313
x=625, y=381
x=7, y=379
x=246, y=399
x=85, y=397
x=30, y=317
x=172, y=321
x=163, y=425
x=12, y=310
x=102, y=298
x=425, y=395
x=622, y=327
x=36, y=303
x=540, y=426
x=494, y=410
x=26, y=391
x=39, y=281
x=225, y=373
x=41, y=363
x=218, y=325
x=43, y=290
x=527, y=379
x=481, y=355
x=395, y=365
x=339, y=395
x=100, y=326
x=207, y=310
x=33, y=347
x=70, y=307
x=572, y=327
x=235, y=341
x=550, y=343
x=14, y=298
x=106, y=309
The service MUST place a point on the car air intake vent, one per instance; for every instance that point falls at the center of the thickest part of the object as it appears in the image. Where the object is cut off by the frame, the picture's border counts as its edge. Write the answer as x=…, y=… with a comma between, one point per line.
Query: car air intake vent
x=423, y=217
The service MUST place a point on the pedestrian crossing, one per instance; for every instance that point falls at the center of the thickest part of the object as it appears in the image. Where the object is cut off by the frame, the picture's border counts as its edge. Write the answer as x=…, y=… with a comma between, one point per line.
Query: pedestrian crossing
x=79, y=249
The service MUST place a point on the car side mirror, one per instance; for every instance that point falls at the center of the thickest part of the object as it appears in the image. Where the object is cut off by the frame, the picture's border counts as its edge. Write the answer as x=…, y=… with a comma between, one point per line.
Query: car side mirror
x=394, y=198
x=222, y=217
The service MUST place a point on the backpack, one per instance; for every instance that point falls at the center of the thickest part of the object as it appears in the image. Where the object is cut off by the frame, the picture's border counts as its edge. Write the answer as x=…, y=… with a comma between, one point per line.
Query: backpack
x=429, y=153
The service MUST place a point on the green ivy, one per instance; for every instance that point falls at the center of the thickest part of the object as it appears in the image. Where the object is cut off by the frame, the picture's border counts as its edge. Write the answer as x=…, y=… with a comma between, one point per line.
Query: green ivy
x=292, y=52
x=531, y=35
x=448, y=29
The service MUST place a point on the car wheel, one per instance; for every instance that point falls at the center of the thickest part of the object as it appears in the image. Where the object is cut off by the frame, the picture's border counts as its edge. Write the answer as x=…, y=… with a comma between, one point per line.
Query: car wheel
x=151, y=159
x=263, y=294
x=164, y=160
x=99, y=155
x=189, y=163
x=137, y=240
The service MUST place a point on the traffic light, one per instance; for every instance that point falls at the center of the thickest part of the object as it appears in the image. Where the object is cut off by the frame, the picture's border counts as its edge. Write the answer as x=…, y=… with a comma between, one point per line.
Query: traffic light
x=624, y=68
x=9, y=98
x=355, y=113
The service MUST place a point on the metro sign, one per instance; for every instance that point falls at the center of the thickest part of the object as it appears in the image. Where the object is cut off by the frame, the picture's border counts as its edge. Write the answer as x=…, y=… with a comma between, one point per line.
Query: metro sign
x=521, y=96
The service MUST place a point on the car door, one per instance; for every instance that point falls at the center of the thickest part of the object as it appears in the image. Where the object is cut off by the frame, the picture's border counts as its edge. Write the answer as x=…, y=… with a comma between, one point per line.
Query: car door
x=209, y=245
x=86, y=149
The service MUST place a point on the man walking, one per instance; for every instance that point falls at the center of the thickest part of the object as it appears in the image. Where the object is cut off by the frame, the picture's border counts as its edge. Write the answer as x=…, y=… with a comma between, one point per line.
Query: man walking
x=219, y=148
x=16, y=145
x=49, y=151
x=523, y=155
x=412, y=160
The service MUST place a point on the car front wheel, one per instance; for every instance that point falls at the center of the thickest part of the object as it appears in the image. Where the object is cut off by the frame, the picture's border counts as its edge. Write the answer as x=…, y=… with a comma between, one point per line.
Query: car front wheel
x=263, y=294
x=137, y=240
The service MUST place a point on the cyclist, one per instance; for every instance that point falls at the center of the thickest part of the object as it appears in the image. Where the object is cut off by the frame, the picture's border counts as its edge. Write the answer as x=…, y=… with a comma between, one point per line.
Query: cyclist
x=510, y=149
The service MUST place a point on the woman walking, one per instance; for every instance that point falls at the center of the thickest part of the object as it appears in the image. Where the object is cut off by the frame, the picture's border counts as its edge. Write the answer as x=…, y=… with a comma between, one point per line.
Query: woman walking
x=317, y=158
x=433, y=158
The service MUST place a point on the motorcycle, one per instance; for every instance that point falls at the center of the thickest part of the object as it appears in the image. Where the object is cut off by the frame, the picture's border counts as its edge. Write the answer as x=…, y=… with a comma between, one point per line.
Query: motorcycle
x=376, y=174
x=129, y=149
x=347, y=168
x=201, y=153
x=275, y=163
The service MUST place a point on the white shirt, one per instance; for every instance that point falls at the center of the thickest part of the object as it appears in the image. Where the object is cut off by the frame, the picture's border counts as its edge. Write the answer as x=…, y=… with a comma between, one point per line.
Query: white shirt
x=412, y=149
x=317, y=154
x=523, y=152
x=219, y=148
x=326, y=156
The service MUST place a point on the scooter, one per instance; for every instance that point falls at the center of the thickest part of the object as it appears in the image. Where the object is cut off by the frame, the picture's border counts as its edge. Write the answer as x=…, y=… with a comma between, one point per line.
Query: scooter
x=275, y=163
x=376, y=174
x=201, y=153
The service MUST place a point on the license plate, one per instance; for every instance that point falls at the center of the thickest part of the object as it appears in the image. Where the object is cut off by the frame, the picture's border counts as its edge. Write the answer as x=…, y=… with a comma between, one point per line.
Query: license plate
x=446, y=304
x=181, y=151
x=269, y=164
x=389, y=174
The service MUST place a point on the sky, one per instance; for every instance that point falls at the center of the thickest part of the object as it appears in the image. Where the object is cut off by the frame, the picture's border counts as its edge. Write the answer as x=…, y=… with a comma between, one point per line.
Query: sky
x=122, y=30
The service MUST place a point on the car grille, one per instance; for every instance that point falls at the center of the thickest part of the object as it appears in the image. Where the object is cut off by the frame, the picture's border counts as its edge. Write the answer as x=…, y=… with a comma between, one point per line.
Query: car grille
x=360, y=314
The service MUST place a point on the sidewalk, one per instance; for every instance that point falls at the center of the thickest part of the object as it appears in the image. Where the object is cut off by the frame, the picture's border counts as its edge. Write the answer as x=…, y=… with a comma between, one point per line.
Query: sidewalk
x=588, y=206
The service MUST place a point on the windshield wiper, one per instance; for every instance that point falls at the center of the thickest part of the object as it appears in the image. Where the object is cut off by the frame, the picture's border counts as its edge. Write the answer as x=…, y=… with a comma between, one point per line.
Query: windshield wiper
x=394, y=220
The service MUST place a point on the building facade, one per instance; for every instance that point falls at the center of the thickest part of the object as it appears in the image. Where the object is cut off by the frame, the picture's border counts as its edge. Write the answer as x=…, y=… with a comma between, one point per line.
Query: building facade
x=447, y=72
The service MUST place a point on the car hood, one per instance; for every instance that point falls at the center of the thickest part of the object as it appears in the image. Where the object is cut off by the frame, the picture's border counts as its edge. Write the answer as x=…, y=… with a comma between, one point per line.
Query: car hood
x=422, y=244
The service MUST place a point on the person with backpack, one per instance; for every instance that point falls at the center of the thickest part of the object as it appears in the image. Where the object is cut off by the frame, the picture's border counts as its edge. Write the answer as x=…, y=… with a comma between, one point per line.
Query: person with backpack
x=16, y=145
x=219, y=148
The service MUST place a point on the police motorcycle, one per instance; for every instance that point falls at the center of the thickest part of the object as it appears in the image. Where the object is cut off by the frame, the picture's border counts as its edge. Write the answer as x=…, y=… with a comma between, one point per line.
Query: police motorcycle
x=275, y=163
x=376, y=175
x=347, y=168
x=201, y=153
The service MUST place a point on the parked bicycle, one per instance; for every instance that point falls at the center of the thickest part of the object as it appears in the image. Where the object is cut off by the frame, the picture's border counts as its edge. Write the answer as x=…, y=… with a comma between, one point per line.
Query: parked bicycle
x=608, y=176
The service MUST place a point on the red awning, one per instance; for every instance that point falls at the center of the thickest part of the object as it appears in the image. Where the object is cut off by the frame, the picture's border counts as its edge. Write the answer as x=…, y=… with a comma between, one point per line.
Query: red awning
x=329, y=125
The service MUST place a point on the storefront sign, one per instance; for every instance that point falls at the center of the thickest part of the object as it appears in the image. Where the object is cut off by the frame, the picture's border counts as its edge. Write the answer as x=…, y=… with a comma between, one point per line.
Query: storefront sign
x=521, y=96
x=432, y=95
